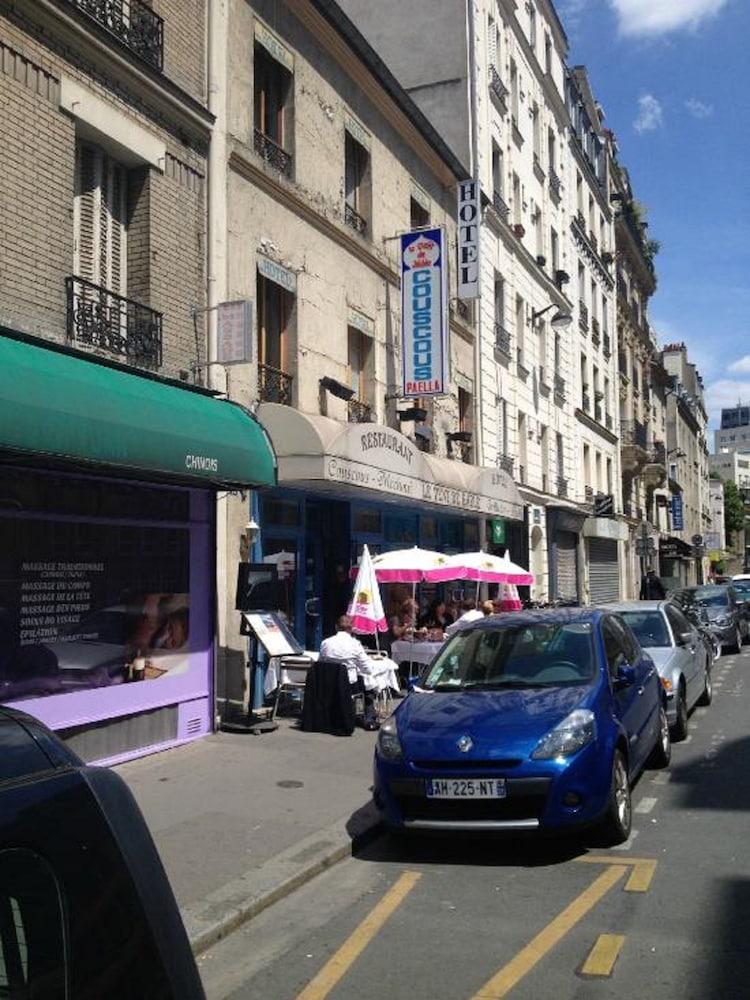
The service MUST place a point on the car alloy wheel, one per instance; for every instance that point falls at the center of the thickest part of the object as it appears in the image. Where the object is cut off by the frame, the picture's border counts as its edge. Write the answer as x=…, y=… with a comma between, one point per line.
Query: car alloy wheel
x=708, y=689
x=622, y=793
x=680, y=730
x=662, y=752
x=616, y=823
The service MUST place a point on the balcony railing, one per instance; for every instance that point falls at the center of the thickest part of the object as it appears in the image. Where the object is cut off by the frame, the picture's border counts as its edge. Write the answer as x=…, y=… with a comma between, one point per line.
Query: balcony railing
x=633, y=434
x=607, y=346
x=498, y=88
x=132, y=22
x=274, y=385
x=562, y=486
x=359, y=411
x=273, y=153
x=555, y=184
x=354, y=219
x=502, y=339
x=111, y=323
x=506, y=463
x=583, y=317
x=560, y=388
x=595, y=330
x=500, y=206
x=594, y=242
x=659, y=453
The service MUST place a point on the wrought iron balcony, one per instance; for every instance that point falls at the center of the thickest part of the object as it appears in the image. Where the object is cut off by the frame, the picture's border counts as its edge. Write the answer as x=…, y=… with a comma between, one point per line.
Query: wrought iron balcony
x=560, y=388
x=111, y=323
x=659, y=453
x=273, y=153
x=607, y=346
x=354, y=219
x=132, y=22
x=359, y=412
x=498, y=89
x=581, y=221
x=633, y=435
x=274, y=385
x=562, y=486
x=555, y=184
x=502, y=339
x=583, y=317
x=500, y=206
x=594, y=242
x=506, y=463
x=595, y=329
x=622, y=363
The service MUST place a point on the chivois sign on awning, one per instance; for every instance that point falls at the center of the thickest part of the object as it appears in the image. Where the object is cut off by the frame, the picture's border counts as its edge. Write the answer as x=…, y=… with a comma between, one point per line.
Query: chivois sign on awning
x=424, y=313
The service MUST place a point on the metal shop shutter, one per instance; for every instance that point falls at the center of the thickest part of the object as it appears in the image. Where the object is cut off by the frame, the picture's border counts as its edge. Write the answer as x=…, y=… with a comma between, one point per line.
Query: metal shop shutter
x=604, y=575
x=567, y=564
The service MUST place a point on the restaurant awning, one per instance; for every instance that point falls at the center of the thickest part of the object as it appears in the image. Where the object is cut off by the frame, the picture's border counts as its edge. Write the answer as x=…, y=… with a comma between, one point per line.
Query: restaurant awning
x=56, y=405
x=376, y=461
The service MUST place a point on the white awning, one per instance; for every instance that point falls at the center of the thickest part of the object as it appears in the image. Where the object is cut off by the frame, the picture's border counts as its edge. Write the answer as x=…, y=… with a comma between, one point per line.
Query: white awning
x=373, y=460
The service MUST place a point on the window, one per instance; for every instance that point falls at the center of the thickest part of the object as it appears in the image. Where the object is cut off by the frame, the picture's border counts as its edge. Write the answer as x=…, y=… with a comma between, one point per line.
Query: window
x=581, y=283
x=360, y=348
x=605, y=319
x=609, y=476
x=544, y=442
x=357, y=184
x=560, y=456
x=32, y=929
x=585, y=399
x=100, y=219
x=594, y=300
x=497, y=170
x=466, y=420
x=554, y=245
x=551, y=159
x=499, y=301
x=678, y=622
x=558, y=352
x=275, y=306
x=598, y=483
x=517, y=206
x=649, y=628
x=538, y=232
x=592, y=215
x=614, y=646
x=547, y=54
x=520, y=328
x=579, y=193
x=532, y=27
x=514, y=92
x=537, y=133
x=587, y=464
x=273, y=112
x=419, y=216
x=522, y=460
x=543, y=374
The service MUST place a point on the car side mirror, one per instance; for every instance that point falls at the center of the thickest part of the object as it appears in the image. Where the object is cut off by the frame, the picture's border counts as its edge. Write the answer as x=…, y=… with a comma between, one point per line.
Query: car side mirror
x=625, y=676
x=685, y=638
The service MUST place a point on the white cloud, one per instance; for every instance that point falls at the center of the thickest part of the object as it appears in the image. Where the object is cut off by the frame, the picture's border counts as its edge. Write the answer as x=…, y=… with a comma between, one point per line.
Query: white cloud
x=698, y=109
x=657, y=17
x=650, y=114
x=727, y=392
x=741, y=366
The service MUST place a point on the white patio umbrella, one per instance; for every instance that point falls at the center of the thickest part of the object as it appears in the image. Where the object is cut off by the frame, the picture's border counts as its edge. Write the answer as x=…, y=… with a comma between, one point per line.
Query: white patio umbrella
x=413, y=566
x=484, y=567
x=366, y=607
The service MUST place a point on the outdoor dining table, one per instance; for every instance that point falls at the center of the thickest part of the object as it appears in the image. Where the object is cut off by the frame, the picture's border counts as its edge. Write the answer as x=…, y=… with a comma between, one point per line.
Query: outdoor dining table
x=384, y=673
x=420, y=653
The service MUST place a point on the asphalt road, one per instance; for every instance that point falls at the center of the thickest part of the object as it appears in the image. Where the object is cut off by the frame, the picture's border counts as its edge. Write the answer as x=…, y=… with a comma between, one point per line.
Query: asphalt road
x=666, y=915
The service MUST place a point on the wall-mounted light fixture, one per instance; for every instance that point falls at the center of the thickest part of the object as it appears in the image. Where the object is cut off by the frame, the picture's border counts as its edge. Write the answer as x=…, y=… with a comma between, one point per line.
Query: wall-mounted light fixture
x=559, y=321
x=336, y=388
x=414, y=413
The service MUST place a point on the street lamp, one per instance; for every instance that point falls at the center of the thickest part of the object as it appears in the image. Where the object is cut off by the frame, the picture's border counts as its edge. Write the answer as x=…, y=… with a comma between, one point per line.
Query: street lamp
x=559, y=321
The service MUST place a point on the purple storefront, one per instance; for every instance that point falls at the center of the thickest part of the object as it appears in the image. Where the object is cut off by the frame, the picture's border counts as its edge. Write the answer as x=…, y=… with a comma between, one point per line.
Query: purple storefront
x=107, y=546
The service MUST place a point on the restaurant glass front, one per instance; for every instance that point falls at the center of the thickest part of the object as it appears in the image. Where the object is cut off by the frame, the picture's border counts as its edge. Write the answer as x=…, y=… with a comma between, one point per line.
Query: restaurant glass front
x=315, y=539
x=106, y=597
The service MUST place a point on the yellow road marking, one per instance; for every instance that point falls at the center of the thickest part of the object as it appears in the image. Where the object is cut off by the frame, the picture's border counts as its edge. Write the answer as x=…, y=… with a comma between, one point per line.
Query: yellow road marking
x=641, y=875
x=512, y=973
x=603, y=955
x=355, y=944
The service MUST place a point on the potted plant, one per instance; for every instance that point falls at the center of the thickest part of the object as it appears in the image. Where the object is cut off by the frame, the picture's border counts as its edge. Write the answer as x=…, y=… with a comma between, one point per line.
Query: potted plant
x=519, y=230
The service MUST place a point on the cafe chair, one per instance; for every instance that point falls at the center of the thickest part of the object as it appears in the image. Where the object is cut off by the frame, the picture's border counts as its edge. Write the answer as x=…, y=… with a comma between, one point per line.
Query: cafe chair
x=300, y=665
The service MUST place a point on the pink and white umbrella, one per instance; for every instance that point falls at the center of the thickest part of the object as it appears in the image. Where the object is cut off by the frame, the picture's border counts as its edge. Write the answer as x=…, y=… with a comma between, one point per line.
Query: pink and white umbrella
x=366, y=607
x=487, y=568
x=413, y=566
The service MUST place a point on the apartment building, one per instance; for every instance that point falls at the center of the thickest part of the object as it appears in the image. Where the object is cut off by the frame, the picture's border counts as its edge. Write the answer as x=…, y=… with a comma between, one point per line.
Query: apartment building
x=733, y=434
x=111, y=451
x=327, y=162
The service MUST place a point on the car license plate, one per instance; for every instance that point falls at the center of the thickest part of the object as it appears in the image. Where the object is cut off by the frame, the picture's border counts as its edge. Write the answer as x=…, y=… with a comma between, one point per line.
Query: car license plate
x=466, y=788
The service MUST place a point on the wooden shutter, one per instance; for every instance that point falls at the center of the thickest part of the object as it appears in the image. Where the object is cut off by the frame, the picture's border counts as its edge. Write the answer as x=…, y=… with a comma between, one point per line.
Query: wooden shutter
x=100, y=223
x=86, y=216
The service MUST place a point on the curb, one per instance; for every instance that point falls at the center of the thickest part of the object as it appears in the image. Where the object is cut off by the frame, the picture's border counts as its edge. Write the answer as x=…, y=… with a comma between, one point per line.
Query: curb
x=239, y=901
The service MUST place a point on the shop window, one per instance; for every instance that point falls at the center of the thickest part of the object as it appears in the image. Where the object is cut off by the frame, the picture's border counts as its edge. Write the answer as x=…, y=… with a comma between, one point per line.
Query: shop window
x=32, y=930
x=471, y=536
x=428, y=531
x=275, y=305
x=357, y=184
x=451, y=535
x=280, y=513
x=401, y=530
x=273, y=110
x=366, y=522
x=419, y=216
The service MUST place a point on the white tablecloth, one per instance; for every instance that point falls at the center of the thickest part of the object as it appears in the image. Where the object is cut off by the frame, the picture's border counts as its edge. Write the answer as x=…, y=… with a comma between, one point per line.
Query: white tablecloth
x=384, y=674
x=403, y=651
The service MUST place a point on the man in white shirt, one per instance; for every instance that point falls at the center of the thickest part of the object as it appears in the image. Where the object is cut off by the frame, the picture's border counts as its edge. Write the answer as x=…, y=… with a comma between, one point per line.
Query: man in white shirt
x=347, y=649
x=471, y=613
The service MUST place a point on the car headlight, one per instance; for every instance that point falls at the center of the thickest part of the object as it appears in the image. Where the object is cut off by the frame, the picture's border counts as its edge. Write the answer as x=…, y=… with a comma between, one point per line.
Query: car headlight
x=567, y=738
x=389, y=745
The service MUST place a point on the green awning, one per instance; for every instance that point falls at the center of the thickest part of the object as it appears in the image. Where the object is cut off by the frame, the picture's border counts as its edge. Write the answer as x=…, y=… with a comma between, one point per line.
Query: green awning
x=58, y=406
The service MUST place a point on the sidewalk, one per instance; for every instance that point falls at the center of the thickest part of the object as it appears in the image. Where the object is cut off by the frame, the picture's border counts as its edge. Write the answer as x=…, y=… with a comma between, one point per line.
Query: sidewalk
x=240, y=821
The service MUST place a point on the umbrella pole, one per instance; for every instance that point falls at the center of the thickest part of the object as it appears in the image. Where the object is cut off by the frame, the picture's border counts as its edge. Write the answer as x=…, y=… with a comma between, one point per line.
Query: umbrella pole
x=414, y=601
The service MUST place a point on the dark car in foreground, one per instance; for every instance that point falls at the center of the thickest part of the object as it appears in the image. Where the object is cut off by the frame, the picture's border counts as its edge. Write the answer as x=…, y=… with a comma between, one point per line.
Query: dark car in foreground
x=722, y=608
x=529, y=721
x=86, y=910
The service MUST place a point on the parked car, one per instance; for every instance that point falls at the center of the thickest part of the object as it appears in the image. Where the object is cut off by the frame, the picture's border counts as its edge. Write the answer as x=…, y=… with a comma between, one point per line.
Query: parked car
x=527, y=721
x=90, y=912
x=681, y=657
x=725, y=611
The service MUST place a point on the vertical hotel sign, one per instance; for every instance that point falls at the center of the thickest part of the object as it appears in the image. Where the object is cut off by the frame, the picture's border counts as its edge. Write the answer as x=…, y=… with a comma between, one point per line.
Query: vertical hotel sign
x=424, y=313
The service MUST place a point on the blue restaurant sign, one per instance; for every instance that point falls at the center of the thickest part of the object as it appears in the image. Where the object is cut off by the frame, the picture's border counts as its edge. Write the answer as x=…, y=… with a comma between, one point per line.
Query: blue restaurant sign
x=678, y=520
x=424, y=313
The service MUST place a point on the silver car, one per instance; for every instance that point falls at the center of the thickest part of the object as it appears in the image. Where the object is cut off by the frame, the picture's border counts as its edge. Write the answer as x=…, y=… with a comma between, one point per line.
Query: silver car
x=679, y=653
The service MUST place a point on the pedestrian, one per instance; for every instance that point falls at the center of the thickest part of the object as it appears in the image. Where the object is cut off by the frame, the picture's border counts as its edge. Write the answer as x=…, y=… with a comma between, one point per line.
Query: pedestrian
x=347, y=649
x=652, y=589
x=471, y=613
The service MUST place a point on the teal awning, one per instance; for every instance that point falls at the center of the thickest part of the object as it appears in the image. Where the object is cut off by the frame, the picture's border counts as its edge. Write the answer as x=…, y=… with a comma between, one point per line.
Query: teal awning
x=58, y=406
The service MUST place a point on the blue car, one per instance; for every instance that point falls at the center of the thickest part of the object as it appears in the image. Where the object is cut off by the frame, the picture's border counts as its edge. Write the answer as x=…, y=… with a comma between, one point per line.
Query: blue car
x=528, y=721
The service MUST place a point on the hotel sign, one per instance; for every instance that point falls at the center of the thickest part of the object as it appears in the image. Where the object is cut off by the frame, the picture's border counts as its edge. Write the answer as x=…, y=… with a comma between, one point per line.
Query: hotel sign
x=469, y=225
x=424, y=313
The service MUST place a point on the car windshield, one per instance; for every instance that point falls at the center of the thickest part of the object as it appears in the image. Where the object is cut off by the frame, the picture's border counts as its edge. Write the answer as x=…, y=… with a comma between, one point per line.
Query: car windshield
x=743, y=588
x=649, y=627
x=711, y=597
x=515, y=656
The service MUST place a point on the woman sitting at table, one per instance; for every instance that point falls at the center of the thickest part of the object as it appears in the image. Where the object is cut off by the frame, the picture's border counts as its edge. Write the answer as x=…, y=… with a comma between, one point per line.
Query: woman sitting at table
x=438, y=616
x=403, y=625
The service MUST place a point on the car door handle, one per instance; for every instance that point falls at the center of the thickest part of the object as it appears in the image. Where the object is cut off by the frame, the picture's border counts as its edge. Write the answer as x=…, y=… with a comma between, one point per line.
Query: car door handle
x=641, y=690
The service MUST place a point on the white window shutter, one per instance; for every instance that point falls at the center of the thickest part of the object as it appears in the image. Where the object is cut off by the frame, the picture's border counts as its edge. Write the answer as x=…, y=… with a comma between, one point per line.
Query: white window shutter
x=99, y=219
x=492, y=43
x=86, y=214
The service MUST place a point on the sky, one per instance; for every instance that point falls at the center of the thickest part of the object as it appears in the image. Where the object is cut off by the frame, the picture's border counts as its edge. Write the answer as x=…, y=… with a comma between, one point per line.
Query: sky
x=669, y=74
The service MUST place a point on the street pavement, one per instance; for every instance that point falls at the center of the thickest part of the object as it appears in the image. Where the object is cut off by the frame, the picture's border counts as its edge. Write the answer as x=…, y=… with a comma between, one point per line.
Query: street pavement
x=666, y=915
